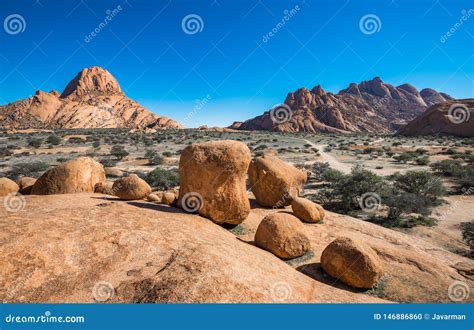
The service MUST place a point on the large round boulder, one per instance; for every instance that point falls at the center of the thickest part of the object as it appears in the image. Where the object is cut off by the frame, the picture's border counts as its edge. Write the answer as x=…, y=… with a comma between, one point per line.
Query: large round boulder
x=283, y=235
x=306, y=210
x=8, y=186
x=74, y=176
x=274, y=182
x=352, y=262
x=131, y=187
x=212, y=180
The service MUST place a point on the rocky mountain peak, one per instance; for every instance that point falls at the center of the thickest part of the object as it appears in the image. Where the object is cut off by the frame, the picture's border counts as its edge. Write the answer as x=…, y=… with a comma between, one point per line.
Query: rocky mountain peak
x=93, y=99
x=409, y=88
x=94, y=81
x=318, y=90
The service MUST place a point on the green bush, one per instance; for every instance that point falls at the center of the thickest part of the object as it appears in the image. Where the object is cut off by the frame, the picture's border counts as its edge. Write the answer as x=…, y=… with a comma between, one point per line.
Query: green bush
x=163, y=179
x=33, y=169
x=119, y=152
x=467, y=230
x=53, y=140
x=420, y=183
x=35, y=143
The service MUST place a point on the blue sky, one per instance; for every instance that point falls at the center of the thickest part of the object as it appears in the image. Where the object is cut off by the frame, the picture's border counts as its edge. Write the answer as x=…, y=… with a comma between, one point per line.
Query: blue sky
x=231, y=65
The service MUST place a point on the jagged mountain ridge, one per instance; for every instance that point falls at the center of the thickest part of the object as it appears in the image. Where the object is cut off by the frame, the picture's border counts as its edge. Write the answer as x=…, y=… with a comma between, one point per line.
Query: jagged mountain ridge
x=93, y=99
x=371, y=106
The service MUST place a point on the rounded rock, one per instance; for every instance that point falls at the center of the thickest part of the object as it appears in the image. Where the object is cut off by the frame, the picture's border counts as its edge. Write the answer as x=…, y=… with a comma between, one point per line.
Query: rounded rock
x=306, y=210
x=8, y=186
x=131, y=187
x=74, y=176
x=283, y=235
x=352, y=262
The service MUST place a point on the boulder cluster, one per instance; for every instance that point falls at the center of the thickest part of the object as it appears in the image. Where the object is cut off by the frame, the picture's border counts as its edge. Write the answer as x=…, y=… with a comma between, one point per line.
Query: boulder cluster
x=213, y=184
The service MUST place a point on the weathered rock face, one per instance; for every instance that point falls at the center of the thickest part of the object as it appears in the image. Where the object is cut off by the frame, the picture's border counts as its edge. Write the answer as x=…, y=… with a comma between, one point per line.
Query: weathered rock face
x=59, y=248
x=274, y=182
x=26, y=185
x=74, y=176
x=106, y=188
x=283, y=235
x=131, y=187
x=306, y=210
x=8, y=186
x=352, y=262
x=212, y=180
x=93, y=99
x=371, y=106
x=93, y=80
x=113, y=172
x=452, y=118
x=113, y=252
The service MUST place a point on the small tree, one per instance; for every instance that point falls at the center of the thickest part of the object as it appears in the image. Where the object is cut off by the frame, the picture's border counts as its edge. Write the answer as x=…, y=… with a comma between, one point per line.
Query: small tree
x=119, y=152
x=420, y=183
x=35, y=143
x=163, y=179
x=53, y=140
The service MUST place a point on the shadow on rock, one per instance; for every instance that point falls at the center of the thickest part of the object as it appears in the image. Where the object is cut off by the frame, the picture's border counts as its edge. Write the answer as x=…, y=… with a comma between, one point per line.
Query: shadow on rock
x=316, y=272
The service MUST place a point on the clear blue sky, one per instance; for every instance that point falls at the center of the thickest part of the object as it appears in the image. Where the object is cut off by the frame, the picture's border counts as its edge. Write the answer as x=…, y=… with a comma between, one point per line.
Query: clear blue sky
x=167, y=70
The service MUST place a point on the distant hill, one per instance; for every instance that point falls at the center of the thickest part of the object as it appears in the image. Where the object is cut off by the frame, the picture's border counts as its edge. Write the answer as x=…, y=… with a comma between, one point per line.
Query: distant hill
x=93, y=99
x=452, y=118
x=371, y=106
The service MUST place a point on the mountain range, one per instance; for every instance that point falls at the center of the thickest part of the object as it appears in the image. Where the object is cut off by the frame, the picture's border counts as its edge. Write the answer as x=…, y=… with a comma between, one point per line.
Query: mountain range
x=371, y=106
x=93, y=99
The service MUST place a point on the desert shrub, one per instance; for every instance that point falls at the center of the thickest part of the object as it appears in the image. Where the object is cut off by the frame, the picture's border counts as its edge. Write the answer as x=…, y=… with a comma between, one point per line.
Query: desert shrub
x=405, y=157
x=167, y=154
x=317, y=169
x=157, y=160
x=35, y=143
x=119, y=152
x=163, y=179
x=424, y=160
x=33, y=169
x=108, y=162
x=75, y=140
x=53, y=140
x=4, y=152
x=467, y=230
x=420, y=183
x=96, y=144
x=466, y=179
x=447, y=167
x=343, y=191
